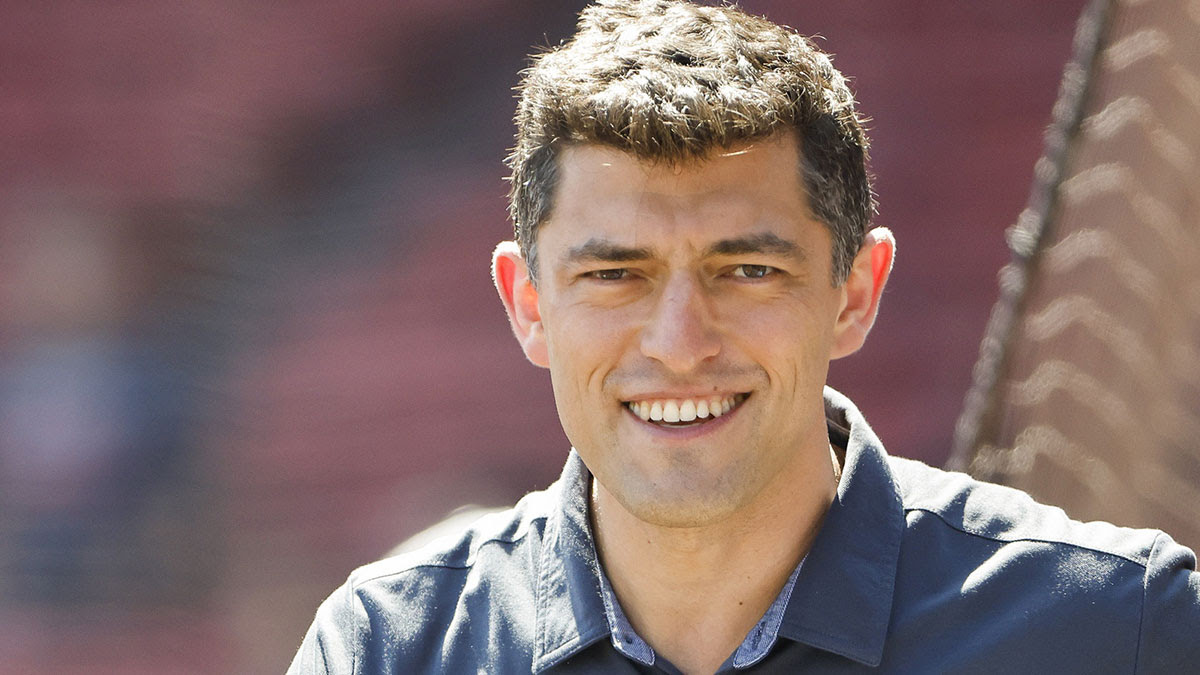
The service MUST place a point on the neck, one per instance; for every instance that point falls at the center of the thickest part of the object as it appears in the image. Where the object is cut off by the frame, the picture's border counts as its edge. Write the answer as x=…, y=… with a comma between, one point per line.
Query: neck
x=694, y=593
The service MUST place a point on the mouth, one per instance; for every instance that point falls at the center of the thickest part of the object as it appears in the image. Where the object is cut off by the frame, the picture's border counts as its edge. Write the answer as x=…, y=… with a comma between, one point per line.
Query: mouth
x=685, y=412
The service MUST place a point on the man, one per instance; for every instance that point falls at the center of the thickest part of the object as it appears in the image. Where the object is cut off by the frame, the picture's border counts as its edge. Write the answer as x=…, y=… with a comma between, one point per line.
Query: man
x=692, y=248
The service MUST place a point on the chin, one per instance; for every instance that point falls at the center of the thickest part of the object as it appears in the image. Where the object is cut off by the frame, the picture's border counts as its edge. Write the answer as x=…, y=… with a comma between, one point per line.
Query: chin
x=680, y=506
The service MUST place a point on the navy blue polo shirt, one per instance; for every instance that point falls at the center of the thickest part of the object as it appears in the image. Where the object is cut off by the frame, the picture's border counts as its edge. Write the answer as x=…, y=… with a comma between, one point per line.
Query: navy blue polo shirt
x=915, y=570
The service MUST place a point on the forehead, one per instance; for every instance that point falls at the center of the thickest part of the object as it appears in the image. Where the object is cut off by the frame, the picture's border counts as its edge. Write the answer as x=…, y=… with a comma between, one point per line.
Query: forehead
x=761, y=167
x=609, y=192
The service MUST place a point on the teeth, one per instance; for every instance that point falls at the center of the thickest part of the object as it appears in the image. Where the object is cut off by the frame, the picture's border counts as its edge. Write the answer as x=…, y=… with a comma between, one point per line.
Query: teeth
x=683, y=410
x=687, y=411
x=670, y=411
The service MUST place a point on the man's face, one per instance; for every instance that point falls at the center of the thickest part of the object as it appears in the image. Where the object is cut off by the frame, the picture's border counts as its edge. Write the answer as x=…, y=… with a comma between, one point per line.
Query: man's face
x=689, y=319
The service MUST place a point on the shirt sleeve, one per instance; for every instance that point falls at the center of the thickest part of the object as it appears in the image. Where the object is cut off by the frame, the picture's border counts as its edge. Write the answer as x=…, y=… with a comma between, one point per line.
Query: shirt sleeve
x=334, y=641
x=1170, y=633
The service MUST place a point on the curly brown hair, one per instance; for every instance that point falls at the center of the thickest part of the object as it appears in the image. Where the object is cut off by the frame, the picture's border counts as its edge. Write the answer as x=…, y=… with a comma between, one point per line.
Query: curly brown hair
x=671, y=81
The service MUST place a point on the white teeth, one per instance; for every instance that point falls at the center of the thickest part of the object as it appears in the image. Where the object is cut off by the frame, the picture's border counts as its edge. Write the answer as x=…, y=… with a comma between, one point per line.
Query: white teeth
x=683, y=410
x=687, y=411
x=670, y=411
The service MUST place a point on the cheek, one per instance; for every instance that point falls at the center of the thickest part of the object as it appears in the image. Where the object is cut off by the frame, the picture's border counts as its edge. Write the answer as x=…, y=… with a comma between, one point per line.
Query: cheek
x=581, y=353
x=587, y=340
x=789, y=340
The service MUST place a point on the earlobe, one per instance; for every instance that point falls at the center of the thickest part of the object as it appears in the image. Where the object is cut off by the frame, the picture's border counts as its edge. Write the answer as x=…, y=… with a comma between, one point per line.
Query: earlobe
x=520, y=298
x=863, y=289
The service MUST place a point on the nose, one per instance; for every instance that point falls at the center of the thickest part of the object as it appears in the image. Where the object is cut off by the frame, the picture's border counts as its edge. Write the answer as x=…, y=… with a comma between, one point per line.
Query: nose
x=680, y=331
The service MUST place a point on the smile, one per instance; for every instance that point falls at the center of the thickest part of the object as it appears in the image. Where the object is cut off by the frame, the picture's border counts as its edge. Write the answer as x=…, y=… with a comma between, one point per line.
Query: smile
x=686, y=410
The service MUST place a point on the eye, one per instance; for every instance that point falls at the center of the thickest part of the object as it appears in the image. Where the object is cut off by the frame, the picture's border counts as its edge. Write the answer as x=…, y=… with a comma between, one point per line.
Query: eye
x=615, y=274
x=753, y=271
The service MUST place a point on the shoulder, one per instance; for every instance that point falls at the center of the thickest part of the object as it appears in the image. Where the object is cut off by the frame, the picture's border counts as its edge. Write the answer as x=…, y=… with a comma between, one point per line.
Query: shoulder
x=1004, y=557
x=463, y=587
x=1003, y=514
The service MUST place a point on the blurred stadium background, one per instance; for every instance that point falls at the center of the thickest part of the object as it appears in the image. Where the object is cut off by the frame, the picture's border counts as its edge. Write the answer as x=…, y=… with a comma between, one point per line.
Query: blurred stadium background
x=247, y=335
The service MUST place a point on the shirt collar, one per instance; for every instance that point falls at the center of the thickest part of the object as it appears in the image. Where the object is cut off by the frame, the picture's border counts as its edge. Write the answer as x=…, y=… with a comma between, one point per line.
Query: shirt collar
x=570, y=613
x=843, y=597
x=624, y=638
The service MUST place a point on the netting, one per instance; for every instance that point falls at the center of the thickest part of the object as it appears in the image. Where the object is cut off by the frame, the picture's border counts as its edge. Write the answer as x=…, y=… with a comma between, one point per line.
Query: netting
x=1087, y=390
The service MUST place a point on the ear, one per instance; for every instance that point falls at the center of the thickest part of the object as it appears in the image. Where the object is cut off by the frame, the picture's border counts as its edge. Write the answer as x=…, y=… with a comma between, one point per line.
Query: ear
x=862, y=290
x=520, y=299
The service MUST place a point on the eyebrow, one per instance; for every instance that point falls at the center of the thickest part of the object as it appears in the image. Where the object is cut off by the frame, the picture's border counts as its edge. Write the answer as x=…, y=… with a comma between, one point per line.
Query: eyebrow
x=765, y=242
x=600, y=250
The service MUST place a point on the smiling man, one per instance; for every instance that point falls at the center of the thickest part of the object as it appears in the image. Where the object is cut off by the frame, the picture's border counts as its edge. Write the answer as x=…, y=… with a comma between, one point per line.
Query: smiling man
x=693, y=248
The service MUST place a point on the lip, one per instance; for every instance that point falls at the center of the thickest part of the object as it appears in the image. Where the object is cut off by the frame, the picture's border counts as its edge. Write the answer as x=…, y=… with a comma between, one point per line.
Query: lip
x=684, y=433
x=680, y=394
